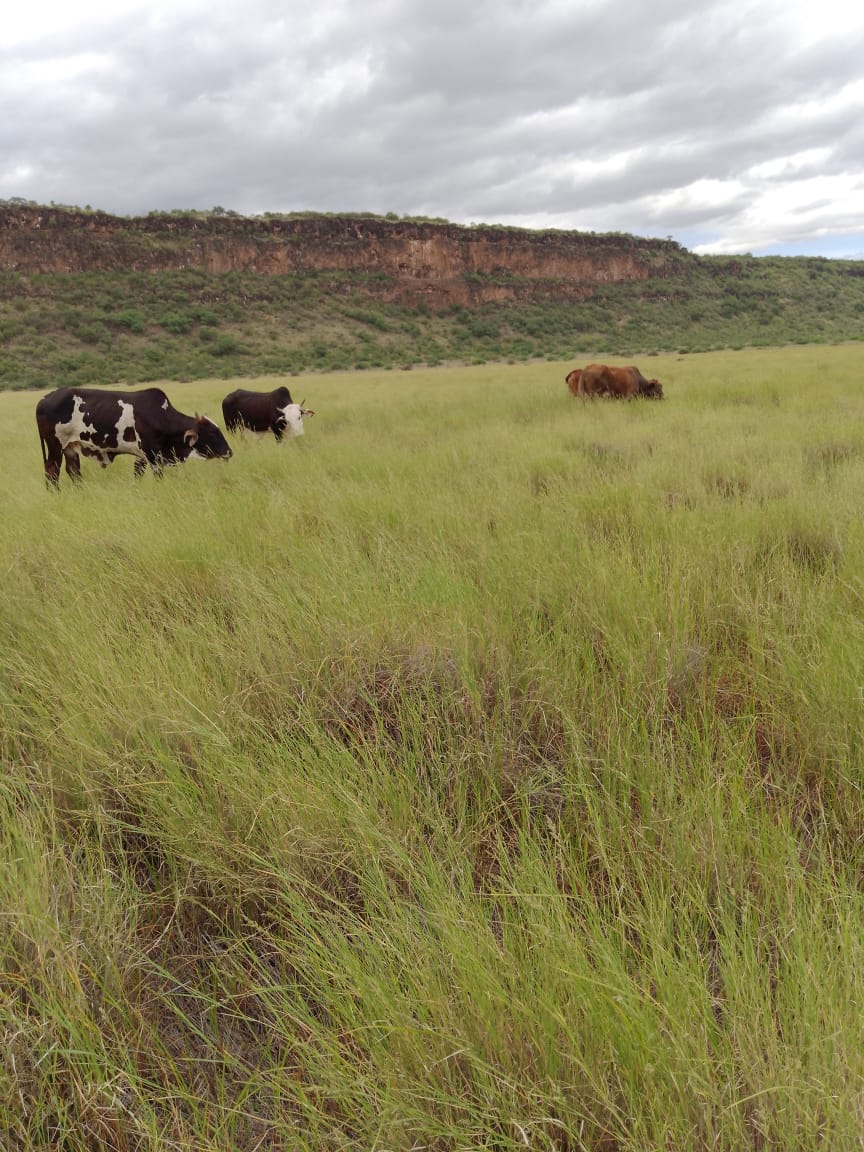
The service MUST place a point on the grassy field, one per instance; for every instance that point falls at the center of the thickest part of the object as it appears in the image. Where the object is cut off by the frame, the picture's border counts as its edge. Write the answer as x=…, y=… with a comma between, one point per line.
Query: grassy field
x=482, y=771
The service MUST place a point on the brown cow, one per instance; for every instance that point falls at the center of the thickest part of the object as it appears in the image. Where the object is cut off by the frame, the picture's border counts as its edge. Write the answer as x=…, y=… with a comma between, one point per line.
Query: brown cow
x=619, y=383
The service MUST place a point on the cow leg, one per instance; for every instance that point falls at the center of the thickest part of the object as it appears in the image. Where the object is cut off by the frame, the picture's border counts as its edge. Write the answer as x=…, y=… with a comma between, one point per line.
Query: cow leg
x=52, y=457
x=73, y=463
x=277, y=430
x=141, y=463
x=153, y=459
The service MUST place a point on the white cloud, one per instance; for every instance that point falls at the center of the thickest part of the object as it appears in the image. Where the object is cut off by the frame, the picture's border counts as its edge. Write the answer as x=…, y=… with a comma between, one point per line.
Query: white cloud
x=806, y=209
x=789, y=165
x=812, y=22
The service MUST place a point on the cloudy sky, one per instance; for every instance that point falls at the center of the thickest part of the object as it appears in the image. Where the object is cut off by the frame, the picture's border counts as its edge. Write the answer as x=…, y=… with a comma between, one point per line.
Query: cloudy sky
x=732, y=126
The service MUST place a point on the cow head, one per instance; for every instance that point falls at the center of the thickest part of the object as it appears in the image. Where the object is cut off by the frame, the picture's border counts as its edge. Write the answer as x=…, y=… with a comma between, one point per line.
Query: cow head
x=293, y=416
x=653, y=389
x=205, y=441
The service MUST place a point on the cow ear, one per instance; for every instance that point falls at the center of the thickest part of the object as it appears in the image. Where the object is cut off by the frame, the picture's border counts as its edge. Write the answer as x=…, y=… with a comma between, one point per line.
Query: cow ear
x=190, y=436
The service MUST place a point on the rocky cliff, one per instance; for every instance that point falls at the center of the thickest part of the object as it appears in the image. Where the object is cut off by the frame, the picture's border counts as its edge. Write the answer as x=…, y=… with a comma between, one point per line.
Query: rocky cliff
x=410, y=258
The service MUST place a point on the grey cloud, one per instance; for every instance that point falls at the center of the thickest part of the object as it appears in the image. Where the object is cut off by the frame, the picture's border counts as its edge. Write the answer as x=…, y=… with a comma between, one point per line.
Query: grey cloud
x=481, y=111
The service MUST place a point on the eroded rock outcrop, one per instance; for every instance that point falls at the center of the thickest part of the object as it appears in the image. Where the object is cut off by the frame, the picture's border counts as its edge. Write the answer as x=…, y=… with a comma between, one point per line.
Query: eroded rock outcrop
x=412, y=258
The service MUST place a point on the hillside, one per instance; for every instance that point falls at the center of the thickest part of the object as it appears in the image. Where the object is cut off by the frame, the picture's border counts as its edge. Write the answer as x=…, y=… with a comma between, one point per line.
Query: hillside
x=88, y=297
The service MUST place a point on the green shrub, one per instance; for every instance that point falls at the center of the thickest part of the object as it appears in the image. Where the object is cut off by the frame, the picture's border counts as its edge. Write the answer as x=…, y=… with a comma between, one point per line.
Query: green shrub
x=130, y=319
x=226, y=344
x=177, y=322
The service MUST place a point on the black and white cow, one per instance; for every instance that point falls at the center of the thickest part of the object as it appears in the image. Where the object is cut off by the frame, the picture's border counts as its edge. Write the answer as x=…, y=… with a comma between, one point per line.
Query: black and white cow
x=264, y=412
x=96, y=422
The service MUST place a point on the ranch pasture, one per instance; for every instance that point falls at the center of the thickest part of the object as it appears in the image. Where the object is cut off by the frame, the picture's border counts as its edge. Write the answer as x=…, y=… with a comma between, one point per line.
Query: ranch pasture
x=482, y=769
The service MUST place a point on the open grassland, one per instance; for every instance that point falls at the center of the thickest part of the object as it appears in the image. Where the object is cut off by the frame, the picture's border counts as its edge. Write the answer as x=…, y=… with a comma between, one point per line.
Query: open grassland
x=483, y=770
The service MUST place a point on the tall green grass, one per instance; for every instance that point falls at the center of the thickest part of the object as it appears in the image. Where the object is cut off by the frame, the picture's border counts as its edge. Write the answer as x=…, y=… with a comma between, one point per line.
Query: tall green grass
x=482, y=770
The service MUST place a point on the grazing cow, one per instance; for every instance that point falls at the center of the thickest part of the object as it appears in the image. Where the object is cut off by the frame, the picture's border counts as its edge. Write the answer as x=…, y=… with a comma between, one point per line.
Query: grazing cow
x=572, y=380
x=619, y=383
x=75, y=422
x=264, y=412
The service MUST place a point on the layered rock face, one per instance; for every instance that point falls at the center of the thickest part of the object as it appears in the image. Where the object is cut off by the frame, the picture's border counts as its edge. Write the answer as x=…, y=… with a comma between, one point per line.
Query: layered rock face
x=466, y=264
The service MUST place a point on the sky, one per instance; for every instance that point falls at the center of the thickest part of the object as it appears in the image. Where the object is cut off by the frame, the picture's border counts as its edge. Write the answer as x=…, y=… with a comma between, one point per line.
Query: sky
x=727, y=126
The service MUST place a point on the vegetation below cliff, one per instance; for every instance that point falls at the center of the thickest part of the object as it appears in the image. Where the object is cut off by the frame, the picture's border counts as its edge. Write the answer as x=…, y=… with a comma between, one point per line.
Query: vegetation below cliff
x=406, y=294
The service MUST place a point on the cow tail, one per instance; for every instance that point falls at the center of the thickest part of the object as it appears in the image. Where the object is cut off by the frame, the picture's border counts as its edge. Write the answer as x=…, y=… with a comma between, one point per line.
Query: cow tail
x=44, y=450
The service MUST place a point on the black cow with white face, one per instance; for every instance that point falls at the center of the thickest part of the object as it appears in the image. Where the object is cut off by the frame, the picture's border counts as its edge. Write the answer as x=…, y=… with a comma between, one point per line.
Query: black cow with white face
x=263, y=412
x=96, y=422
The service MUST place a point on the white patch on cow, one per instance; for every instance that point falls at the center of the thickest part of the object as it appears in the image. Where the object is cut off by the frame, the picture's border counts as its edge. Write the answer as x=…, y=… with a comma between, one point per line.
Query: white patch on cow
x=165, y=404
x=69, y=434
x=293, y=419
x=82, y=437
x=126, y=421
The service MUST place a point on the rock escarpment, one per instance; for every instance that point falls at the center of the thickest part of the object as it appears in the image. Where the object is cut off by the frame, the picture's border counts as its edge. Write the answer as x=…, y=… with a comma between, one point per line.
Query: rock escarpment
x=409, y=258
